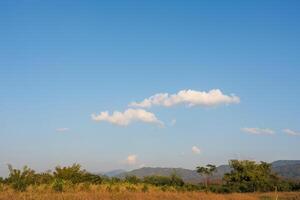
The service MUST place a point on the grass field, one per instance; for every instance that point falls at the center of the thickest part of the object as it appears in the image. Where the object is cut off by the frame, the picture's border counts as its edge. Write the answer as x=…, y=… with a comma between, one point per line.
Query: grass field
x=81, y=195
x=123, y=192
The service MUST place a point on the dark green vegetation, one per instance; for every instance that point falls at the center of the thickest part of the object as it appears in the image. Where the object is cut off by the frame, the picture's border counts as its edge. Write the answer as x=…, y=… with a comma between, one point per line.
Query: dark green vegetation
x=249, y=176
x=286, y=169
x=243, y=176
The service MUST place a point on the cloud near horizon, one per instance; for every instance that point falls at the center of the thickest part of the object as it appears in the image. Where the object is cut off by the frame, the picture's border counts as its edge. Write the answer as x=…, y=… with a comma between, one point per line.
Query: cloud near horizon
x=196, y=150
x=291, y=132
x=189, y=97
x=131, y=159
x=127, y=117
x=259, y=131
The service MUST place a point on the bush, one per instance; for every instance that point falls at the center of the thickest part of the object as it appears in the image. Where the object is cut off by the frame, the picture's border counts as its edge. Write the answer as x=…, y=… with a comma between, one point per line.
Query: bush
x=173, y=180
x=145, y=188
x=132, y=179
x=219, y=189
x=191, y=187
x=58, y=185
x=115, y=180
x=20, y=179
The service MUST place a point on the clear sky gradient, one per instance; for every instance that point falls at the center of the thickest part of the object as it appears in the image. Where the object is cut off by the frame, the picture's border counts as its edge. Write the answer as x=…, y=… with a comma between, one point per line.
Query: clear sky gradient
x=62, y=60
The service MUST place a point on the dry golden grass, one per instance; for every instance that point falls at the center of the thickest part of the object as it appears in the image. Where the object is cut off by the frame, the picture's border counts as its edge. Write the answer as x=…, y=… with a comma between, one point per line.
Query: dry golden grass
x=9, y=195
x=130, y=192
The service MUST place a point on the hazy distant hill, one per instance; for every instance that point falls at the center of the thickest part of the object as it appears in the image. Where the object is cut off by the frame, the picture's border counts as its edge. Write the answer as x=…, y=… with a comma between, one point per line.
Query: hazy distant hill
x=114, y=172
x=186, y=174
x=285, y=168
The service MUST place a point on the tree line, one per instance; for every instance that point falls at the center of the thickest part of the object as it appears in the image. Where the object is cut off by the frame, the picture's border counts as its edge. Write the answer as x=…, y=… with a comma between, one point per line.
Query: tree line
x=245, y=176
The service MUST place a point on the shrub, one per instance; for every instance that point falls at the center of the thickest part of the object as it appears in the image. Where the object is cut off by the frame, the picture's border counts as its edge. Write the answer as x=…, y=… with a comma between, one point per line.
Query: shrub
x=132, y=179
x=164, y=180
x=219, y=189
x=58, y=185
x=145, y=188
x=115, y=180
x=191, y=187
x=176, y=180
x=20, y=179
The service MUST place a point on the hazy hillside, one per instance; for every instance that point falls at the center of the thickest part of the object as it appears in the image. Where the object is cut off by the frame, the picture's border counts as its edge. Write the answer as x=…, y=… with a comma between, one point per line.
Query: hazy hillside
x=285, y=168
x=186, y=174
x=114, y=172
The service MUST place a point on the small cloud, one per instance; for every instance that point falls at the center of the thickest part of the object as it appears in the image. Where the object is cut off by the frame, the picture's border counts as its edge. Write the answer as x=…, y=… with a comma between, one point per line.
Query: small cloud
x=189, y=97
x=196, y=150
x=142, y=165
x=173, y=122
x=62, y=129
x=258, y=131
x=291, y=132
x=127, y=117
x=131, y=159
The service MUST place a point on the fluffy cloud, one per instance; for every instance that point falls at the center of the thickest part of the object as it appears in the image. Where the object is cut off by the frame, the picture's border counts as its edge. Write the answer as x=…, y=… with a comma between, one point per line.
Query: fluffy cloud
x=62, y=129
x=258, y=131
x=190, y=97
x=131, y=159
x=291, y=132
x=195, y=150
x=127, y=117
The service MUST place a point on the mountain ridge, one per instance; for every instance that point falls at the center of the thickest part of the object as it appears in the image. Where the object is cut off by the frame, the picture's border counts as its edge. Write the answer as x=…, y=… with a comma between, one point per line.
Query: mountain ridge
x=288, y=169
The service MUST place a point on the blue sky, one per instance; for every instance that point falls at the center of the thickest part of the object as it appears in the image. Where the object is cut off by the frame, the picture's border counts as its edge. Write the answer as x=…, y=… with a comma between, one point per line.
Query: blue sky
x=61, y=61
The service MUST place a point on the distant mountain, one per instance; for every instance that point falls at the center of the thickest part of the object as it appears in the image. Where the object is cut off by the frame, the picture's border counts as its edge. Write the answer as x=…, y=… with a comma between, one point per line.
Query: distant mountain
x=289, y=169
x=114, y=172
x=280, y=163
x=187, y=175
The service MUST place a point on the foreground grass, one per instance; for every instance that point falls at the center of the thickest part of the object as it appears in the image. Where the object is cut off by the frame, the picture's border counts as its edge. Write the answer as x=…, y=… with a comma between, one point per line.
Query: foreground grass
x=130, y=192
x=141, y=195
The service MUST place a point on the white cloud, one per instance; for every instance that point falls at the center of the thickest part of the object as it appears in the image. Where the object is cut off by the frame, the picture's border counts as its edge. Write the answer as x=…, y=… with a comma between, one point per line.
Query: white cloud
x=131, y=159
x=127, y=117
x=291, y=132
x=258, y=131
x=62, y=129
x=195, y=150
x=189, y=97
x=142, y=165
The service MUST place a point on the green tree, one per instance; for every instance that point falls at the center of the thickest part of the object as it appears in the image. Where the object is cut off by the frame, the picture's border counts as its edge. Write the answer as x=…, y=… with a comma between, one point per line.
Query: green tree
x=20, y=179
x=249, y=176
x=176, y=180
x=58, y=185
x=206, y=172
